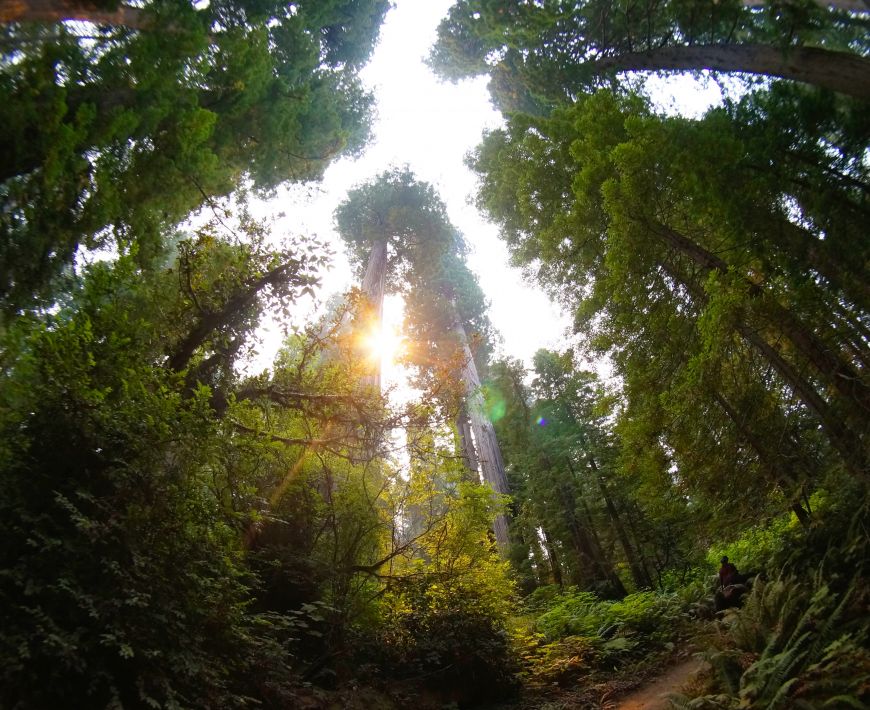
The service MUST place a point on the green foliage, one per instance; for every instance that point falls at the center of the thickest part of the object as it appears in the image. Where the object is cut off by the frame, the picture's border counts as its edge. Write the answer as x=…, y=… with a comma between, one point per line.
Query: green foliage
x=541, y=54
x=575, y=639
x=111, y=139
x=128, y=482
x=834, y=543
x=564, y=662
x=454, y=634
x=756, y=546
x=400, y=210
x=584, y=614
x=794, y=644
x=122, y=582
x=633, y=221
x=800, y=639
x=446, y=611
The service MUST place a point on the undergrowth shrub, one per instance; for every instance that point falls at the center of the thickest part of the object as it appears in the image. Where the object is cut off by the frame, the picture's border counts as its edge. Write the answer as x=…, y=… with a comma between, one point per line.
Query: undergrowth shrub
x=584, y=614
x=793, y=645
x=450, y=636
x=573, y=635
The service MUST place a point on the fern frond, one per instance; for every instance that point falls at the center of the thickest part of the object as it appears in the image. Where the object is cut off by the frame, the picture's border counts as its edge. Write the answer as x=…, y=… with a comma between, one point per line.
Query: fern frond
x=841, y=701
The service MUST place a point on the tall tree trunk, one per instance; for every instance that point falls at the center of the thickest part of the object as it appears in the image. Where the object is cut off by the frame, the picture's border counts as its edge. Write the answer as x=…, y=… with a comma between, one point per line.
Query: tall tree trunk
x=60, y=10
x=638, y=542
x=466, y=445
x=372, y=311
x=489, y=454
x=587, y=545
x=641, y=579
x=843, y=72
x=803, y=516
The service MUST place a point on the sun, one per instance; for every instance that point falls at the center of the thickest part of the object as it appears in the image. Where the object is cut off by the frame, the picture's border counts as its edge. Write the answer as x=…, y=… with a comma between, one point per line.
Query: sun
x=384, y=344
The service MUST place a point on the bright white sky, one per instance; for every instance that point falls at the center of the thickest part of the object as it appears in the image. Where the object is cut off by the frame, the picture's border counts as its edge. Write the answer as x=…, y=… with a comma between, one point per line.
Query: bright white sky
x=429, y=126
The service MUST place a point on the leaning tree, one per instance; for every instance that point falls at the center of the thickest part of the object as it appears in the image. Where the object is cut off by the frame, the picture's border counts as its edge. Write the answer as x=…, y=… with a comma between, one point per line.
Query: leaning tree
x=730, y=319
x=538, y=54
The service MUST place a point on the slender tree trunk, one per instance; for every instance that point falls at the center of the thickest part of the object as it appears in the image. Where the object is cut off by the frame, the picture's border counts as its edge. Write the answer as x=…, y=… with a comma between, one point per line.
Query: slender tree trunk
x=766, y=457
x=587, y=545
x=842, y=72
x=555, y=567
x=375, y=278
x=528, y=538
x=489, y=454
x=594, y=537
x=837, y=374
x=641, y=580
x=638, y=543
x=60, y=10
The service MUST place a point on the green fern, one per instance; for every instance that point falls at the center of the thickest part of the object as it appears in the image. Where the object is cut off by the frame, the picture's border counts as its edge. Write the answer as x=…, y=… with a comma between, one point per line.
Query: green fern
x=809, y=655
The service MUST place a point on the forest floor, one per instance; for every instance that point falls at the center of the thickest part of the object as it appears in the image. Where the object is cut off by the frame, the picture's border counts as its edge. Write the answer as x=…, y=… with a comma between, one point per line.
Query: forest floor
x=644, y=686
x=654, y=695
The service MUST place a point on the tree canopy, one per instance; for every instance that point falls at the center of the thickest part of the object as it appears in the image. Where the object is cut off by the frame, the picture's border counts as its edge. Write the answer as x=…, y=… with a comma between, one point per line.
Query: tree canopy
x=113, y=137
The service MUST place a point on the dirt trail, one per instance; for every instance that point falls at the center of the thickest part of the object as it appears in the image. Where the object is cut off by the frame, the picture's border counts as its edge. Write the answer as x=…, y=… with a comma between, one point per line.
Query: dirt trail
x=655, y=695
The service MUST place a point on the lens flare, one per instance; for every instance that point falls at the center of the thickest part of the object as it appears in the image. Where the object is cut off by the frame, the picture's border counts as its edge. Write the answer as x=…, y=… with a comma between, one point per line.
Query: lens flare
x=383, y=344
x=497, y=409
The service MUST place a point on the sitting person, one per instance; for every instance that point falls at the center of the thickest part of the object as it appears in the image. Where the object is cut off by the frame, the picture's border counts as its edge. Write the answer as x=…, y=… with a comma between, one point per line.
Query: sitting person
x=728, y=574
x=732, y=586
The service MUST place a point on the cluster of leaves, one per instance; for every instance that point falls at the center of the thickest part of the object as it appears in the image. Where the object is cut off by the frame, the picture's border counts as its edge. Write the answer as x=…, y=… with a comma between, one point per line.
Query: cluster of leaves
x=444, y=618
x=175, y=534
x=452, y=635
x=576, y=613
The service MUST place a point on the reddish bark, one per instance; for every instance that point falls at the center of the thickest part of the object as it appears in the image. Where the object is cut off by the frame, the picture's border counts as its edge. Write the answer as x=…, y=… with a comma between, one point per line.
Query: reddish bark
x=842, y=72
x=60, y=10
